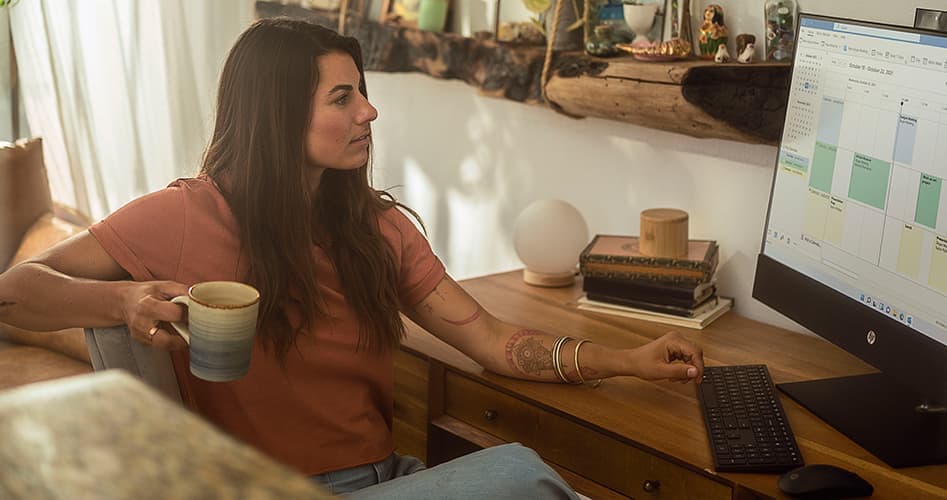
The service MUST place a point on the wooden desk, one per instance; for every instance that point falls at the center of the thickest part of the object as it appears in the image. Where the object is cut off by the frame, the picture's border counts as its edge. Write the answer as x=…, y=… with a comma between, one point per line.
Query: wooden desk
x=628, y=437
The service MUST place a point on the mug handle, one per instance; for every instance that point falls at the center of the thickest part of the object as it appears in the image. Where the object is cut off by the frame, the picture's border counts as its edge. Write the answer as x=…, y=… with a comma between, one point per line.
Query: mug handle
x=182, y=329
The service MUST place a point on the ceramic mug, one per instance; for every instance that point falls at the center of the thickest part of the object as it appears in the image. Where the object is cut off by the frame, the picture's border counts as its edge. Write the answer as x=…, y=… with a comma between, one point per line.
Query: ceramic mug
x=222, y=318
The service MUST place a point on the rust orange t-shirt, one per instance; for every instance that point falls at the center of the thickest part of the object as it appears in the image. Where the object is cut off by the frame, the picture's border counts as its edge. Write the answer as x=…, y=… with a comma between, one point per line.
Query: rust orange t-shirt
x=330, y=407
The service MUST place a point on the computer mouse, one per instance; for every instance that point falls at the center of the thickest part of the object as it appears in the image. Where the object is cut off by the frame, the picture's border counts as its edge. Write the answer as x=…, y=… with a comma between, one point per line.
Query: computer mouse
x=818, y=481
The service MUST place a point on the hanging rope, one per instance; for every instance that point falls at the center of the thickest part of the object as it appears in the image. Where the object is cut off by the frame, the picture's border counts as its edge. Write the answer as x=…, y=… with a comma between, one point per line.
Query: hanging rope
x=343, y=10
x=550, y=42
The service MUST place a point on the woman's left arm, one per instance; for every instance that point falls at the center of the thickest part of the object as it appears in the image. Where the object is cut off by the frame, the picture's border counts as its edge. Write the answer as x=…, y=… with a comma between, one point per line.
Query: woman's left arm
x=452, y=315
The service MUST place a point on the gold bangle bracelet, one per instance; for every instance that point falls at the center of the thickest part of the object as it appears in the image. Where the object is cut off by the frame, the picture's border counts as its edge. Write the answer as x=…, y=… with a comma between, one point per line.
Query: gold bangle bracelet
x=564, y=375
x=578, y=370
x=575, y=359
x=556, y=359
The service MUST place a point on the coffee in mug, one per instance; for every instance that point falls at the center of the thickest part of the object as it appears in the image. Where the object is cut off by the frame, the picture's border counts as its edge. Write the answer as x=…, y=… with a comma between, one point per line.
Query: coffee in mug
x=222, y=317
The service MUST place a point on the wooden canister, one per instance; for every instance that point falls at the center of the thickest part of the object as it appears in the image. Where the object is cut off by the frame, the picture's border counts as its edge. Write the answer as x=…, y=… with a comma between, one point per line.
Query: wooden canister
x=663, y=232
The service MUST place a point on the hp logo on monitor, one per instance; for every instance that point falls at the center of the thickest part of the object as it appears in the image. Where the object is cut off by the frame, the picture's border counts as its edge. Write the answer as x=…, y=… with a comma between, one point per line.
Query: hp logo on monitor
x=871, y=337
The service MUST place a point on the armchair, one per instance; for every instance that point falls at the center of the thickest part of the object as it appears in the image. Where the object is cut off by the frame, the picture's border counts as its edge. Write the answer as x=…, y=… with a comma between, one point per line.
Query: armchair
x=29, y=224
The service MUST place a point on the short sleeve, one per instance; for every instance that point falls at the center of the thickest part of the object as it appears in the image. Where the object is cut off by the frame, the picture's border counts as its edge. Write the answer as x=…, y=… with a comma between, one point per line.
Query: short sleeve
x=145, y=236
x=420, y=270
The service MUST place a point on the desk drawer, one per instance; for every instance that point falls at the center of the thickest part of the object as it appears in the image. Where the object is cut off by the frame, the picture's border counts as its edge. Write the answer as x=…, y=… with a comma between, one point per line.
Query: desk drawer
x=585, y=451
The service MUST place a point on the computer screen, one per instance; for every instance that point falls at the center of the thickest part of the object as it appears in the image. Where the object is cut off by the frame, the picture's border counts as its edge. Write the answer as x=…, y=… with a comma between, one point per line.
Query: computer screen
x=855, y=245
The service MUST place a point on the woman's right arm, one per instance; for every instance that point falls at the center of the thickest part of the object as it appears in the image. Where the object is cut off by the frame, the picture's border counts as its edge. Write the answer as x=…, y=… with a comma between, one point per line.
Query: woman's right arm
x=78, y=284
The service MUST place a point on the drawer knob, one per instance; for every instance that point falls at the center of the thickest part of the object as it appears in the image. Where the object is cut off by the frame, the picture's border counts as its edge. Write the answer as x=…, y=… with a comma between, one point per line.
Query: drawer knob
x=490, y=414
x=651, y=485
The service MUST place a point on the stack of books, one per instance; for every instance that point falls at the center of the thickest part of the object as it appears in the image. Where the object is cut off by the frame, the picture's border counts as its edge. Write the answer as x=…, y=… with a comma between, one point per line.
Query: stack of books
x=618, y=279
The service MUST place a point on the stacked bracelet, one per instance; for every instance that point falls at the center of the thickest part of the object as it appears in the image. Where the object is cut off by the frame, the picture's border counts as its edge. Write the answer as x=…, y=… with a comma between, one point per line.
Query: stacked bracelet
x=557, y=360
x=575, y=360
x=578, y=370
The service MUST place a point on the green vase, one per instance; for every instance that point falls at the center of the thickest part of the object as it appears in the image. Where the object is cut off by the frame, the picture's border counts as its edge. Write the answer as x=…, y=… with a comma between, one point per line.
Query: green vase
x=432, y=14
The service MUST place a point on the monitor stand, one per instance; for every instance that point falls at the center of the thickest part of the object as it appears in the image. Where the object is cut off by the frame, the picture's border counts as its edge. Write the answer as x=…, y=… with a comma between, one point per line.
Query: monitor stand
x=877, y=414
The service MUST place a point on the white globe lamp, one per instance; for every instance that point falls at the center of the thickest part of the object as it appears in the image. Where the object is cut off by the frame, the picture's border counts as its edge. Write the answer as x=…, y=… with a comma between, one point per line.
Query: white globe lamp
x=548, y=237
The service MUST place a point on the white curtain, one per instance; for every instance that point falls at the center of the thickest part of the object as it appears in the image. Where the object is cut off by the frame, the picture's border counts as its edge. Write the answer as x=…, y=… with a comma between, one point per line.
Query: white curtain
x=121, y=91
x=6, y=101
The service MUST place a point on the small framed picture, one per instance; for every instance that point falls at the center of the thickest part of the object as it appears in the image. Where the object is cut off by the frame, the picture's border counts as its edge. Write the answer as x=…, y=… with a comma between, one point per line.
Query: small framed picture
x=401, y=12
x=674, y=13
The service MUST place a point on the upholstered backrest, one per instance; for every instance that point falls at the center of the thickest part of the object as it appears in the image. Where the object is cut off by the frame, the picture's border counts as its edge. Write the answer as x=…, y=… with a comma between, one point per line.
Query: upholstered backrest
x=24, y=193
x=114, y=348
x=30, y=223
x=46, y=231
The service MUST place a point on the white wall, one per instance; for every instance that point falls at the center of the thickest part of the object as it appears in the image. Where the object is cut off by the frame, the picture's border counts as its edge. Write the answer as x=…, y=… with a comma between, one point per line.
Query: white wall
x=470, y=164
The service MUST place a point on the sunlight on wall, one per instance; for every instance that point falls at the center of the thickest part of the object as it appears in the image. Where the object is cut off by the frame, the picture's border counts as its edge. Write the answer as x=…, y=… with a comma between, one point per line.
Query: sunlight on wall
x=465, y=222
x=478, y=234
x=421, y=195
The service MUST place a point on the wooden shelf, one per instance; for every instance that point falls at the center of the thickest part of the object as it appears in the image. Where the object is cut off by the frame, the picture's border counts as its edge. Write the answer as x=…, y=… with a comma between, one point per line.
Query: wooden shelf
x=700, y=99
x=744, y=103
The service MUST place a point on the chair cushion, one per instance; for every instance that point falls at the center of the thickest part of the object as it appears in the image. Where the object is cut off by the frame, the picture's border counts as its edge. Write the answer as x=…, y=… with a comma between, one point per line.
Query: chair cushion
x=47, y=231
x=20, y=364
x=69, y=342
x=44, y=233
x=24, y=193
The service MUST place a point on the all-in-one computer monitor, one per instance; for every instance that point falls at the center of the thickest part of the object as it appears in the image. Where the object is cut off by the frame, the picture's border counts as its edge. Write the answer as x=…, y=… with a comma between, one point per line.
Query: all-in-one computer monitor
x=855, y=245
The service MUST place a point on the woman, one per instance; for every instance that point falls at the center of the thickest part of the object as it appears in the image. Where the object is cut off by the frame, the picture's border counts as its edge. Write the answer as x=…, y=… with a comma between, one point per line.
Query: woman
x=283, y=202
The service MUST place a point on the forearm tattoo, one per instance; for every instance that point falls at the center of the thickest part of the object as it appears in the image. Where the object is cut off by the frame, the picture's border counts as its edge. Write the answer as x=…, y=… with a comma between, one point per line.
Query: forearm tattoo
x=473, y=317
x=526, y=354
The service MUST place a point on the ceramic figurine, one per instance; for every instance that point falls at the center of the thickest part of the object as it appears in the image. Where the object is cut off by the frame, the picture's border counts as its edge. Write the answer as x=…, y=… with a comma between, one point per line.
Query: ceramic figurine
x=722, y=55
x=713, y=33
x=746, y=47
x=742, y=40
x=747, y=55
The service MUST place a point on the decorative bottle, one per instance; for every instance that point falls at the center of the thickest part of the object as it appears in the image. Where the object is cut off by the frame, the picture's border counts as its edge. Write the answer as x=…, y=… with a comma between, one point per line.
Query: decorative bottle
x=606, y=27
x=780, y=16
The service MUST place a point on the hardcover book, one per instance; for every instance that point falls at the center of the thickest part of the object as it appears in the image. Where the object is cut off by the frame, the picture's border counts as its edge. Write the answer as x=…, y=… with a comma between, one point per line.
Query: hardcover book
x=619, y=257
x=686, y=312
x=700, y=321
x=650, y=291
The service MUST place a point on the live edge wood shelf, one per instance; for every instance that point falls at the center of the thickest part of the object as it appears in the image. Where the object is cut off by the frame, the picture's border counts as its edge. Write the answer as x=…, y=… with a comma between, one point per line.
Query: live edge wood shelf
x=744, y=103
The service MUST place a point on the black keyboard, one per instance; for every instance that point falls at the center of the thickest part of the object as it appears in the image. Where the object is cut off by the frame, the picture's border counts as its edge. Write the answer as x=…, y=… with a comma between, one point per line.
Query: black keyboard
x=745, y=421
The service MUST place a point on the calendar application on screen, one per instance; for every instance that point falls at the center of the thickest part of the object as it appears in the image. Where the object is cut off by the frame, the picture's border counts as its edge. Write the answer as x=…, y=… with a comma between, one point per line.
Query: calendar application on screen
x=861, y=169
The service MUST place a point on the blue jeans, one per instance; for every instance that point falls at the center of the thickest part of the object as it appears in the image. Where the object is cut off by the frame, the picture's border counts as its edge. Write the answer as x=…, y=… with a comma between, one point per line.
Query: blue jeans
x=510, y=471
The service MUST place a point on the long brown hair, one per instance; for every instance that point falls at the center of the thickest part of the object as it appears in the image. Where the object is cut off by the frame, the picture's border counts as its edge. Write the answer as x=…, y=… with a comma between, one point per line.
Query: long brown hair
x=257, y=156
